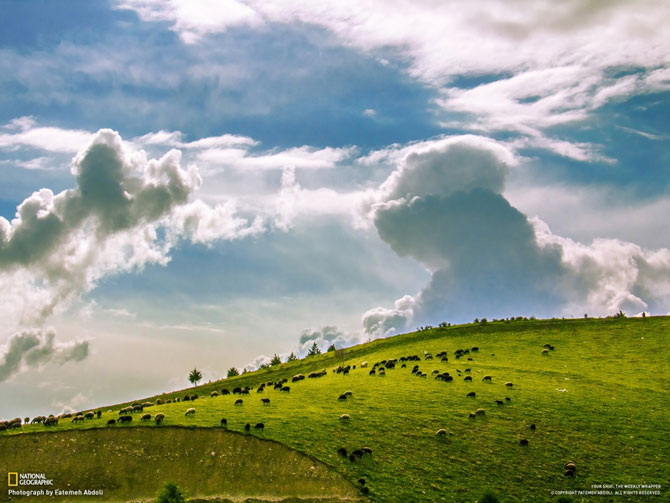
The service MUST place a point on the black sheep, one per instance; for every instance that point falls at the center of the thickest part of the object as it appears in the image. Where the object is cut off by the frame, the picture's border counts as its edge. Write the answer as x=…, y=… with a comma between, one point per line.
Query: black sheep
x=259, y=426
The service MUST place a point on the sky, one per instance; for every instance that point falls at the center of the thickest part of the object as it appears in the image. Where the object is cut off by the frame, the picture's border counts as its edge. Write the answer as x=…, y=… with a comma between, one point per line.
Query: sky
x=205, y=183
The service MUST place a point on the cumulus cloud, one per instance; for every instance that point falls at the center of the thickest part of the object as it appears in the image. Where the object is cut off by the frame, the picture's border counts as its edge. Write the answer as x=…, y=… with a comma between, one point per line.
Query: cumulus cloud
x=23, y=132
x=382, y=322
x=36, y=348
x=126, y=211
x=444, y=207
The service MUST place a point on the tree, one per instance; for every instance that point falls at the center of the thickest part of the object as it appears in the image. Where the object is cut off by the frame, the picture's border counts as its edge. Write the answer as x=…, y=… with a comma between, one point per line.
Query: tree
x=194, y=376
x=171, y=494
x=275, y=360
x=232, y=372
x=292, y=357
x=331, y=348
x=314, y=350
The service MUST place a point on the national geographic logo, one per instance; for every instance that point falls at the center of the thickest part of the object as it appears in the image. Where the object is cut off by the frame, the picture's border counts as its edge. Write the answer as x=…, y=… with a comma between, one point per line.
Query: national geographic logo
x=15, y=479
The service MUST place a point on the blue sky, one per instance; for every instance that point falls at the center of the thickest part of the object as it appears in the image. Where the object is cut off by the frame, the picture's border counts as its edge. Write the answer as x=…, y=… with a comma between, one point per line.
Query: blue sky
x=210, y=182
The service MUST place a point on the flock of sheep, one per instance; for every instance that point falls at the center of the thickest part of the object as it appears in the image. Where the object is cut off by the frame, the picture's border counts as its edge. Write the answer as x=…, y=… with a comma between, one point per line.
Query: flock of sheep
x=378, y=369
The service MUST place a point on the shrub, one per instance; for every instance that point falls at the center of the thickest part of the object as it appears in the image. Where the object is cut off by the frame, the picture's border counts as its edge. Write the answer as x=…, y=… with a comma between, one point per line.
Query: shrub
x=232, y=372
x=314, y=350
x=275, y=360
x=171, y=494
x=331, y=348
x=292, y=357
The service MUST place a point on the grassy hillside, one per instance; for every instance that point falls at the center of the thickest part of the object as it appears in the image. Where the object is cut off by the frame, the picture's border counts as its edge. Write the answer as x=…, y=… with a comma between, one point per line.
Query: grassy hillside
x=599, y=399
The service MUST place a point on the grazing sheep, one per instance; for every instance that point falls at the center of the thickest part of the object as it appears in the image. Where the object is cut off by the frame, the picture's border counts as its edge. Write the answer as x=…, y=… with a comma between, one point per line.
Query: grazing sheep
x=547, y=346
x=89, y=415
x=111, y=422
x=224, y=391
x=545, y=352
x=509, y=384
x=523, y=441
x=570, y=469
x=190, y=411
x=186, y=398
x=261, y=389
x=358, y=452
x=486, y=378
x=297, y=377
x=146, y=417
x=472, y=394
x=472, y=415
x=159, y=418
x=147, y=404
x=533, y=427
x=50, y=421
x=364, y=365
x=238, y=401
x=125, y=419
x=224, y=422
x=266, y=401
x=352, y=458
x=468, y=379
x=500, y=402
x=467, y=371
x=287, y=389
x=344, y=417
x=342, y=397
x=38, y=419
x=441, y=431
x=474, y=349
x=3, y=427
x=480, y=412
x=361, y=482
x=342, y=452
x=237, y=390
x=259, y=426
x=159, y=401
x=137, y=408
x=247, y=427
x=194, y=397
x=367, y=450
x=76, y=419
x=365, y=490
x=214, y=394
x=508, y=399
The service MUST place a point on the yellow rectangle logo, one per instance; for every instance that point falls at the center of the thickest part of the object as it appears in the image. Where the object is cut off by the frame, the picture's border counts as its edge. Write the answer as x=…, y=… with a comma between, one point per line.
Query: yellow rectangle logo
x=12, y=479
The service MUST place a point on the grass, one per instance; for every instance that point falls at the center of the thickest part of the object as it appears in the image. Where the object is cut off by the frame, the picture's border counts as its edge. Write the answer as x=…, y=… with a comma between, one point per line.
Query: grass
x=611, y=421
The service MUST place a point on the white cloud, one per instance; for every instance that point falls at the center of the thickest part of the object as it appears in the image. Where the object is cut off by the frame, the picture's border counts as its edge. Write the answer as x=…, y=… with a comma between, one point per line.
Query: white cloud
x=26, y=134
x=382, y=322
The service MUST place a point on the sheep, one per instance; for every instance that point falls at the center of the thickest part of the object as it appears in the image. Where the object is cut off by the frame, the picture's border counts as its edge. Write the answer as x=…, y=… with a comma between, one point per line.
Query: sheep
x=352, y=458
x=500, y=402
x=247, y=427
x=533, y=427
x=523, y=441
x=214, y=394
x=138, y=408
x=76, y=419
x=237, y=390
x=367, y=450
x=342, y=397
x=474, y=349
x=147, y=404
x=358, y=452
x=342, y=452
x=159, y=418
x=545, y=352
x=509, y=384
x=266, y=401
x=224, y=391
x=570, y=469
x=190, y=411
x=125, y=419
x=344, y=417
x=111, y=422
x=297, y=377
x=259, y=426
x=89, y=415
x=441, y=432
x=364, y=365
x=146, y=417
x=287, y=389
x=261, y=389
x=472, y=415
x=194, y=397
x=508, y=399
x=480, y=412
x=361, y=482
x=50, y=421
x=468, y=379
x=486, y=378
x=348, y=393
x=365, y=490
x=472, y=394
x=224, y=422
x=238, y=401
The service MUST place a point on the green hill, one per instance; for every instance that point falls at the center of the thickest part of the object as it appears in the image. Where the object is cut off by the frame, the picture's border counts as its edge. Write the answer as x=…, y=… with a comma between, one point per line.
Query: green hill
x=598, y=399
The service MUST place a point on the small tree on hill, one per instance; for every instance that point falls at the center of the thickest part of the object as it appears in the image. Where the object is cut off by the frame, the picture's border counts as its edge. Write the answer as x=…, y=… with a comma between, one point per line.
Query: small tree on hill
x=171, y=494
x=331, y=348
x=232, y=372
x=275, y=360
x=314, y=350
x=292, y=357
x=194, y=376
